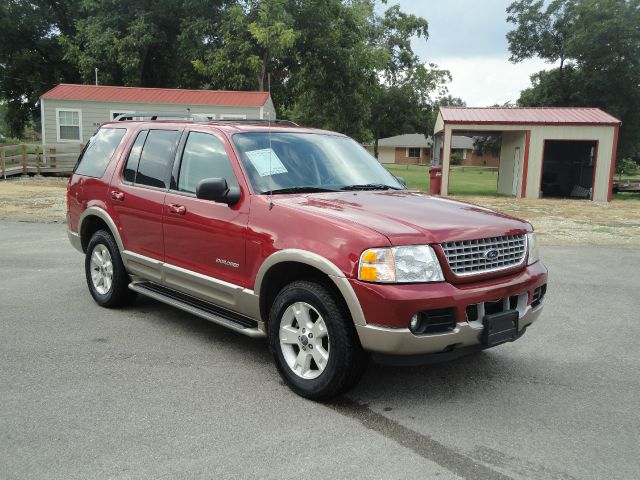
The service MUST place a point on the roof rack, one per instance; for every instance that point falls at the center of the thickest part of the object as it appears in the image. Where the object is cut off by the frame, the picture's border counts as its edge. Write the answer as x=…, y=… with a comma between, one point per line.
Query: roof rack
x=155, y=115
x=197, y=117
x=255, y=121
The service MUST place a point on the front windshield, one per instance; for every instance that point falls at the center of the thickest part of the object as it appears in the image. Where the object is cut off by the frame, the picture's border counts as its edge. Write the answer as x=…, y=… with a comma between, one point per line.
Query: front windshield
x=285, y=162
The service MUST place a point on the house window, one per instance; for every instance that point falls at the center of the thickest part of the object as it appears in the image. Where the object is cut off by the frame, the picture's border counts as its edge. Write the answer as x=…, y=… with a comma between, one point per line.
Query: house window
x=69, y=125
x=413, y=152
x=115, y=113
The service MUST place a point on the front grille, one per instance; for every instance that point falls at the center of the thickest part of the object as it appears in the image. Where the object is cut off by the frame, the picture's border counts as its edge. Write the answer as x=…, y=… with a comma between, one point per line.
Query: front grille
x=469, y=257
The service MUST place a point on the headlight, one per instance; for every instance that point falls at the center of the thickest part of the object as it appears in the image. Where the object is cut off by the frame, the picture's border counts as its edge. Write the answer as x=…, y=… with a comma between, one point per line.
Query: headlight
x=414, y=263
x=534, y=250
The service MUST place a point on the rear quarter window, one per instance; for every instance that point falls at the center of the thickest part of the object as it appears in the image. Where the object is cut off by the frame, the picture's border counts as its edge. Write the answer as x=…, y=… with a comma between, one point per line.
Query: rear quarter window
x=98, y=152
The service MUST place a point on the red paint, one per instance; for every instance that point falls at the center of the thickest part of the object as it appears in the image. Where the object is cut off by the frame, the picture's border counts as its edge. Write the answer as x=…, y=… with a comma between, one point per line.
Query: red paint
x=104, y=93
x=393, y=305
x=193, y=234
x=528, y=116
x=614, y=153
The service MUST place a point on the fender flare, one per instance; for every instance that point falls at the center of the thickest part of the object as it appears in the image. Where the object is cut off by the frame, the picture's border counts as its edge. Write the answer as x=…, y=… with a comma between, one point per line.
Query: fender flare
x=322, y=264
x=104, y=216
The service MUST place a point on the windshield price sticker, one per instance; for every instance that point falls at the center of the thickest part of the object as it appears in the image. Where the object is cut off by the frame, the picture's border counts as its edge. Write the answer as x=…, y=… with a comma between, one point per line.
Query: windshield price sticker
x=266, y=162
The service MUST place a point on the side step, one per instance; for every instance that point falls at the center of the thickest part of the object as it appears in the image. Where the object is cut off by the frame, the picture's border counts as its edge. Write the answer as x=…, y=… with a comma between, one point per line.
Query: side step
x=244, y=325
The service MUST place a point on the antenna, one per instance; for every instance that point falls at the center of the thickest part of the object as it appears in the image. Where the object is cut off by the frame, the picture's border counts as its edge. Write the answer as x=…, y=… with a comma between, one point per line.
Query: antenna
x=270, y=171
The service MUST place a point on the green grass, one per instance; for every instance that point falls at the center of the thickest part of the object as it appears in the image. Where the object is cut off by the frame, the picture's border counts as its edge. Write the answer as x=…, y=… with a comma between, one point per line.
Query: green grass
x=627, y=196
x=464, y=180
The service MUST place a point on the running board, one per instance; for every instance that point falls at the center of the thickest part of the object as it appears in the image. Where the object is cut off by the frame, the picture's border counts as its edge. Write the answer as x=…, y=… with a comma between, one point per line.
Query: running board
x=244, y=325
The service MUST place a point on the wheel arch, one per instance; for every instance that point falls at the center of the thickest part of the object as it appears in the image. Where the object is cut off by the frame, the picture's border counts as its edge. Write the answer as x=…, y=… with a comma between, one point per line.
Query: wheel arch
x=285, y=266
x=94, y=219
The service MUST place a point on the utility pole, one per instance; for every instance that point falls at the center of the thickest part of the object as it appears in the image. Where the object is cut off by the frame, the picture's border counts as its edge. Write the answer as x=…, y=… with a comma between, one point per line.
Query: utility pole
x=96, y=75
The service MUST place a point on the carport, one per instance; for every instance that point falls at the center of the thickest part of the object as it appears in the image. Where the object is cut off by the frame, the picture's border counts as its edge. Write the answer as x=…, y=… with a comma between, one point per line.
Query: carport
x=545, y=152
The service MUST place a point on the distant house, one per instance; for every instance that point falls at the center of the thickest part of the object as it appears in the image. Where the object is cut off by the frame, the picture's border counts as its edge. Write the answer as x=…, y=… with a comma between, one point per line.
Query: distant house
x=72, y=113
x=411, y=148
x=415, y=149
x=463, y=148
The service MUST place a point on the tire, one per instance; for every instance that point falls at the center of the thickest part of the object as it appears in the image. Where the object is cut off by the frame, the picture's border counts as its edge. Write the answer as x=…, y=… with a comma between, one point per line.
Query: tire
x=338, y=361
x=106, y=276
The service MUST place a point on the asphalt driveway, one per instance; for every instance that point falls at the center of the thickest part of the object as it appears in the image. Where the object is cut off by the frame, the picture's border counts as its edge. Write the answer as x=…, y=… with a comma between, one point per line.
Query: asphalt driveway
x=151, y=392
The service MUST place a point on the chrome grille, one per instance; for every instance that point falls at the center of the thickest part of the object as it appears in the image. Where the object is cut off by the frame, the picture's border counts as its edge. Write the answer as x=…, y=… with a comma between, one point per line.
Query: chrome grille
x=469, y=257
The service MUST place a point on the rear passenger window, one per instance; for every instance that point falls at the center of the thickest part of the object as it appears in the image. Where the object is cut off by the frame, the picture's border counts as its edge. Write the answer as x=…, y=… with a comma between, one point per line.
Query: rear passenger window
x=95, y=158
x=157, y=158
x=131, y=167
x=204, y=157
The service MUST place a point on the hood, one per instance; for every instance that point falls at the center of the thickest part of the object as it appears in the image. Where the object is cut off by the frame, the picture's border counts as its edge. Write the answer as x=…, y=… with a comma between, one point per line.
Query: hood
x=406, y=217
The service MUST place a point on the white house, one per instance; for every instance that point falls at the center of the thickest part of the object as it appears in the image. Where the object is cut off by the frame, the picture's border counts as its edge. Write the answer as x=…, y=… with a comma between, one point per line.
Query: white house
x=72, y=113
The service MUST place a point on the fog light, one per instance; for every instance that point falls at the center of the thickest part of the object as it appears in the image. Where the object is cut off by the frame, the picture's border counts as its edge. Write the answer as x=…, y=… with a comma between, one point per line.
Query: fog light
x=415, y=322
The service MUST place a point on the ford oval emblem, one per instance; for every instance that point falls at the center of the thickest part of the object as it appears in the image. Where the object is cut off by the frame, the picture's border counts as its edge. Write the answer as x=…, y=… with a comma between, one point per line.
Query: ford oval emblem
x=491, y=254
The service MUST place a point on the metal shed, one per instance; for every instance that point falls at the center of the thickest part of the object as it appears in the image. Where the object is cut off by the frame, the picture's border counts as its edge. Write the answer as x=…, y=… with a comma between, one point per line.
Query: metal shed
x=545, y=152
x=72, y=113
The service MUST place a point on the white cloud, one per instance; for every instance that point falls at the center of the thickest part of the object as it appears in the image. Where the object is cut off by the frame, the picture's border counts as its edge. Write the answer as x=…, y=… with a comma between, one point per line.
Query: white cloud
x=483, y=81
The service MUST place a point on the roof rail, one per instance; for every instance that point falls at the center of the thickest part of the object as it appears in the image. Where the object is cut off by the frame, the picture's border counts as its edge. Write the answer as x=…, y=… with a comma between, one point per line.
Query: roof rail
x=155, y=115
x=255, y=121
x=198, y=117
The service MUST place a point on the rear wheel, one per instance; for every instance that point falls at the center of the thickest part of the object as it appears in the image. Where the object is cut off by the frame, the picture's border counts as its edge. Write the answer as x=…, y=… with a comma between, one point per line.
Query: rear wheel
x=106, y=276
x=314, y=342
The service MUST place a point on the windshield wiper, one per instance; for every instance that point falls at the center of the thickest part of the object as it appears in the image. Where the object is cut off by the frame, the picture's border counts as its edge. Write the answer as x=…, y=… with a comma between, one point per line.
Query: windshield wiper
x=369, y=186
x=305, y=189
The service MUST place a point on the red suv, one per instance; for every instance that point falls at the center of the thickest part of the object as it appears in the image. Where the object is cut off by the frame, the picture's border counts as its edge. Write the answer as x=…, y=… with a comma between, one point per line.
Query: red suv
x=301, y=236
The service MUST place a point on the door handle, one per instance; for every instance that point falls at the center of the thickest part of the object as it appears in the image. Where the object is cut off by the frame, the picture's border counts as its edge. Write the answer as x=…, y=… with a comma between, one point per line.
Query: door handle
x=116, y=195
x=177, y=209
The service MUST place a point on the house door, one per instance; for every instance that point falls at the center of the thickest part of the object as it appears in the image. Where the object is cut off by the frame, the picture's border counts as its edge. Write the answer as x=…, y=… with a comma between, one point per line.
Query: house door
x=516, y=172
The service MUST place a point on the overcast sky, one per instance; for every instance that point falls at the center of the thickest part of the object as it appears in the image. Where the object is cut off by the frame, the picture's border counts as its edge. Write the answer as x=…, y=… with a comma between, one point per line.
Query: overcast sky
x=467, y=37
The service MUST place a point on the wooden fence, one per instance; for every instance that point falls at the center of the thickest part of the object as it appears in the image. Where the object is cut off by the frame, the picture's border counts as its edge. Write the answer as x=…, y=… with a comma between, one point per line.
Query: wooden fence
x=23, y=159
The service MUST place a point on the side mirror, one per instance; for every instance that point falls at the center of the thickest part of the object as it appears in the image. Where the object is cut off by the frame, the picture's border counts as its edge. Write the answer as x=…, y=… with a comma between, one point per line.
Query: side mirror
x=401, y=180
x=216, y=189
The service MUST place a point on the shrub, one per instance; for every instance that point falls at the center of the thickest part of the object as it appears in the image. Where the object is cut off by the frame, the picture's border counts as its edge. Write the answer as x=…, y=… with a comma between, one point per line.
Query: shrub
x=627, y=166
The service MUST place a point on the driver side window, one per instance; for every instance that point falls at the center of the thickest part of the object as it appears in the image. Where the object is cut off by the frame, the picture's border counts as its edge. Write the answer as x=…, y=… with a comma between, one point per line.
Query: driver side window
x=203, y=157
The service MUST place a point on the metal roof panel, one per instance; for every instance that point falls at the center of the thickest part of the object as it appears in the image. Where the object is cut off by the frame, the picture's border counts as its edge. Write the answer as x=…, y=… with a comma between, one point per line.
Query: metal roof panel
x=104, y=93
x=527, y=115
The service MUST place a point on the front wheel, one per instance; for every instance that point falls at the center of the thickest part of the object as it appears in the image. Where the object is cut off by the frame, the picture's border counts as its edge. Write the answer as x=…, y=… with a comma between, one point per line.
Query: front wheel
x=314, y=342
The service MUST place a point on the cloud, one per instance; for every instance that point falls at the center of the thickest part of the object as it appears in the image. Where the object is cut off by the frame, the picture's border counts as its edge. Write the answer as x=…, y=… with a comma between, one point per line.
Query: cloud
x=487, y=80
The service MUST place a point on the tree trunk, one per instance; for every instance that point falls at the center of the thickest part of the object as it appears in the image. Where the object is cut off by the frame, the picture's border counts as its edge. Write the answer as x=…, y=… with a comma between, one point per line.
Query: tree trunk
x=563, y=90
x=263, y=72
x=375, y=145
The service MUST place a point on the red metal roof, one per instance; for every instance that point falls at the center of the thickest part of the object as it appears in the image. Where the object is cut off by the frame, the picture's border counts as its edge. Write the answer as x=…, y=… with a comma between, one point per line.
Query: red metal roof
x=541, y=116
x=103, y=93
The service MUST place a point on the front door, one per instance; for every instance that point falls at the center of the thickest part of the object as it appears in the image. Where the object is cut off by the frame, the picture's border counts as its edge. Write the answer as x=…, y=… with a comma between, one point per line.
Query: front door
x=205, y=241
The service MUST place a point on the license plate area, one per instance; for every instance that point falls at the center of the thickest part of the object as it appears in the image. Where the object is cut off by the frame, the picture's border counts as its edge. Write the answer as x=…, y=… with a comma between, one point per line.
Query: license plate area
x=500, y=327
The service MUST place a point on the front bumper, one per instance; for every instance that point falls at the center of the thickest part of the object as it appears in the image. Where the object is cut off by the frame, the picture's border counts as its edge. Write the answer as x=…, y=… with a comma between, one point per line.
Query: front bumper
x=400, y=341
x=388, y=311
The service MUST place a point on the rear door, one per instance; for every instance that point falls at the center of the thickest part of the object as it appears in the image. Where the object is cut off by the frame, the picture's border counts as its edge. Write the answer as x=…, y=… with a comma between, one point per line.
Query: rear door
x=201, y=237
x=137, y=192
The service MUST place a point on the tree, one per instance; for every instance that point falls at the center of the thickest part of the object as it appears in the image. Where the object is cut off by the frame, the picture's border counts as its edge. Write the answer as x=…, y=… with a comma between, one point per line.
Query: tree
x=139, y=43
x=402, y=101
x=598, y=43
x=31, y=60
x=255, y=38
x=542, y=32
